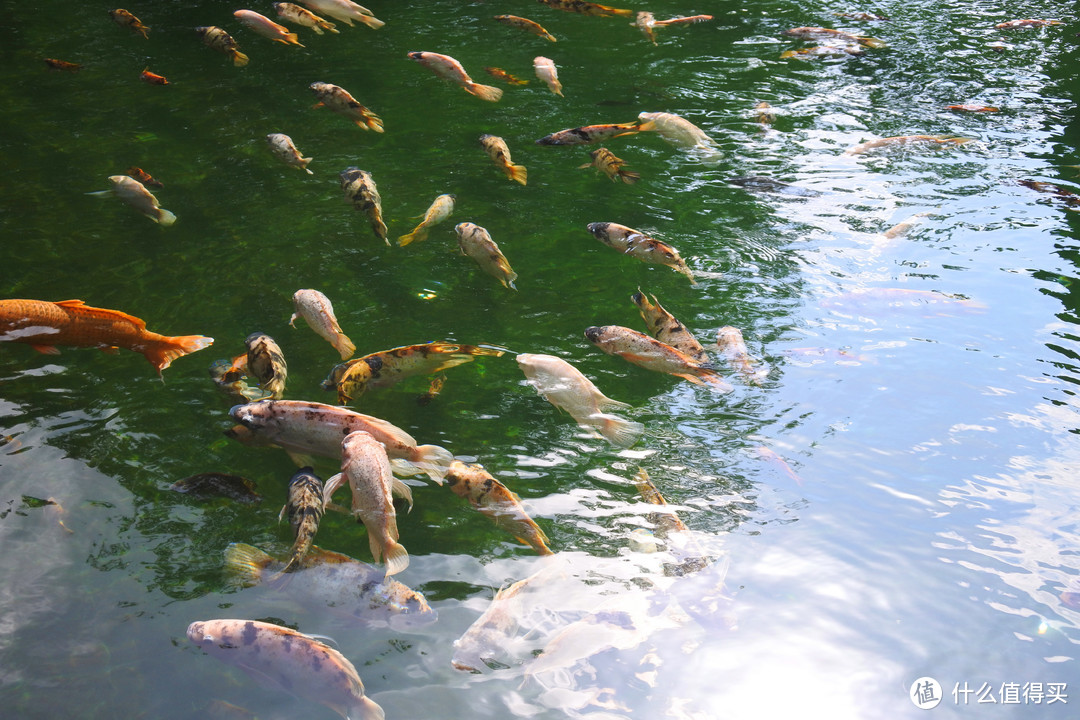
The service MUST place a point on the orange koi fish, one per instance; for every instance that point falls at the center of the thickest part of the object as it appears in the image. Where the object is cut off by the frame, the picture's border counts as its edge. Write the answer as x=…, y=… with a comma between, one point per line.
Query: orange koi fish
x=501, y=74
x=44, y=325
x=1026, y=24
x=525, y=24
x=972, y=107
x=62, y=65
x=498, y=502
x=144, y=177
x=152, y=78
x=904, y=140
x=123, y=18
x=586, y=8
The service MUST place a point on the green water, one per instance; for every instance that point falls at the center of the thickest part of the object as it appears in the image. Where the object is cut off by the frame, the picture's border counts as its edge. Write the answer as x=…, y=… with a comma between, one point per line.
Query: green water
x=932, y=529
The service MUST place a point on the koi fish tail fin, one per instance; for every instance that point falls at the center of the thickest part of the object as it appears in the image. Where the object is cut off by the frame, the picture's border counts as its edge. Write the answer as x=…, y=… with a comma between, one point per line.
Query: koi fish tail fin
x=872, y=42
x=417, y=235
x=484, y=92
x=372, y=122
x=293, y=39
x=245, y=563
x=435, y=461
x=304, y=162
x=371, y=21
x=549, y=36
x=164, y=351
x=618, y=430
x=517, y=173
x=718, y=382
x=365, y=709
x=239, y=59
x=344, y=345
x=685, y=270
x=401, y=490
x=397, y=558
x=164, y=217
x=629, y=176
x=647, y=126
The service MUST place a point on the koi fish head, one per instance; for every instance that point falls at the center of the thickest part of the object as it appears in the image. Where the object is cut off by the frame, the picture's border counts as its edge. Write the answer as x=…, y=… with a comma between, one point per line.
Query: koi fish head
x=594, y=334
x=598, y=228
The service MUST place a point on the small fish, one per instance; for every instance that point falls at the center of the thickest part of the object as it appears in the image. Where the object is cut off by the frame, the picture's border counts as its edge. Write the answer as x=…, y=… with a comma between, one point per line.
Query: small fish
x=135, y=194
x=346, y=586
x=972, y=107
x=822, y=51
x=565, y=387
x=266, y=27
x=545, y=70
x=206, y=485
x=144, y=177
x=56, y=512
x=63, y=65
x=864, y=16
x=500, y=155
x=905, y=140
x=765, y=114
x=434, y=389
x=476, y=242
x=230, y=380
x=282, y=147
x=506, y=77
x=677, y=130
x=605, y=161
x=441, y=208
x=1060, y=191
x=217, y=39
x=447, y=67
x=903, y=228
x=123, y=18
x=317, y=310
x=152, y=78
x=651, y=354
x=340, y=101
x=359, y=188
x=266, y=362
x=281, y=658
x=646, y=22
x=44, y=325
x=297, y=15
x=667, y=329
x=586, y=8
x=495, y=500
x=821, y=33
x=525, y=24
x=589, y=134
x=345, y=11
x=639, y=245
x=366, y=468
x=762, y=183
x=383, y=369
x=304, y=509
x=1011, y=24
x=733, y=347
x=317, y=428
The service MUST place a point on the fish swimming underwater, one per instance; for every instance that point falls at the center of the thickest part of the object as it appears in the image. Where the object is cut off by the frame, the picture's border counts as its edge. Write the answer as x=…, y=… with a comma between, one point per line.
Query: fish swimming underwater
x=217, y=39
x=305, y=509
x=500, y=155
x=123, y=18
x=318, y=312
x=476, y=242
x=441, y=208
x=279, y=657
x=587, y=134
x=500, y=74
x=903, y=141
x=545, y=70
x=565, y=387
x=525, y=24
x=317, y=429
x=663, y=326
x=344, y=585
x=44, y=325
x=144, y=177
x=281, y=145
x=63, y=65
x=651, y=354
x=821, y=33
x=1011, y=24
x=677, y=130
x=365, y=466
x=605, y=161
x=266, y=27
x=297, y=15
x=495, y=500
x=339, y=100
x=213, y=484
x=731, y=344
x=152, y=78
x=447, y=67
x=586, y=8
x=383, y=369
x=346, y=11
x=646, y=22
x=359, y=188
x=639, y=245
x=135, y=194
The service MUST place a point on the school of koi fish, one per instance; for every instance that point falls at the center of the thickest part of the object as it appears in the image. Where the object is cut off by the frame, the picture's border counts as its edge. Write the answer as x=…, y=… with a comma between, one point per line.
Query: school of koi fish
x=373, y=454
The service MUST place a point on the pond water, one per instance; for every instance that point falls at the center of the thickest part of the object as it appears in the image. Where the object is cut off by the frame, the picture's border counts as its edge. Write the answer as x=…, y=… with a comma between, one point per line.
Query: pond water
x=896, y=499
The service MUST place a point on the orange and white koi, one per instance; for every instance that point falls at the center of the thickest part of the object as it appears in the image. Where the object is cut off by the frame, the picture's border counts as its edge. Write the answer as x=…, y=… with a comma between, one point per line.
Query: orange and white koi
x=283, y=148
x=485, y=493
x=135, y=194
x=605, y=161
x=447, y=67
x=663, y=326
x=476, y=242
x=587, y=8
x=525, y=24
x=822, y=33
x=500, y=155
x=731, y=344
x=266, y=27
x=317, y=310
x=905, y=140
x=346, y=11
x=589, y=134
x=639, y=245
x=123, y=18
x=217, y=39
x=646, y=22
x=972, y=107
x=340, y=101
x=545, y=70
x=1012, y=24
x=297, y=15
x=43, y=325
x=441, y=208
x=651, y=354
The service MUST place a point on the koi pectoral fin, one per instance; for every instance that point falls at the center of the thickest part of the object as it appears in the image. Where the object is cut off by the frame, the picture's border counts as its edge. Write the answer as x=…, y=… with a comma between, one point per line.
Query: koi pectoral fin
x=46, y=349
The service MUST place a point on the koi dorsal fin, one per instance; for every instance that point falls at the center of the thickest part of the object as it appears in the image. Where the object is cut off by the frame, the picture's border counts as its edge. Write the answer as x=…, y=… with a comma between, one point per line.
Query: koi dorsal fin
x=84, y=309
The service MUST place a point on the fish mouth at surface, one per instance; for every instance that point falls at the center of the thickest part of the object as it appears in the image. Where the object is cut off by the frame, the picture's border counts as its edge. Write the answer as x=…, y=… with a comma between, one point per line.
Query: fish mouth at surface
x=593, y=333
